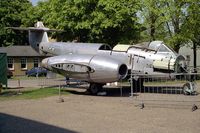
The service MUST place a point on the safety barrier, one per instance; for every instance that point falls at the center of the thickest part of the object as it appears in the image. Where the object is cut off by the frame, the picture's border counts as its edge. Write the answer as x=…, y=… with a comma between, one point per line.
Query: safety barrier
x=166, y=90
x=41, y=82
x=169, y=90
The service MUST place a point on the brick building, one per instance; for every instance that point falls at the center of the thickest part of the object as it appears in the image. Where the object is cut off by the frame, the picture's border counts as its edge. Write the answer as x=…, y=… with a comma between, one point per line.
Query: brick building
x=21, y=58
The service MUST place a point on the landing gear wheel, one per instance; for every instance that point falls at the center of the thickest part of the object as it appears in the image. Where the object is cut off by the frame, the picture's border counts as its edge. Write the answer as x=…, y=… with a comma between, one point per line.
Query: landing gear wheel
x=94, y=88
x=186, y=89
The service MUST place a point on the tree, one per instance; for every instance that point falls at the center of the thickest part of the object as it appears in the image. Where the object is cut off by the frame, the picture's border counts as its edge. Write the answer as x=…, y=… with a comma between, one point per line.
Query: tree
x=11, y=14
x=176, y=14
x=93, y=20
x=151, y=15
x=163, y=19
x=116, y=21
x=179, y=17
x=191, y=26
x=34, y=14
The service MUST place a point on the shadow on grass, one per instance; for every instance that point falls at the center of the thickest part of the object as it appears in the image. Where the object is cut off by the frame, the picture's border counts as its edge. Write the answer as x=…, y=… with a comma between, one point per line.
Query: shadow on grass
x=8, y=93
x=14, y=124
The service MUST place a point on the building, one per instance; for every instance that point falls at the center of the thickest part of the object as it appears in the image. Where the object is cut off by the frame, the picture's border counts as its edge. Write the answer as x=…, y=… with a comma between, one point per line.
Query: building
x=188, y=53
x=21, y=58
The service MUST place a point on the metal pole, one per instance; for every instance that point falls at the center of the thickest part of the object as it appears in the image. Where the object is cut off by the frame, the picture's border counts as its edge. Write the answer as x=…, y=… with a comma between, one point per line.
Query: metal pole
x=59, y=91
x=121, y=88
x=19, y=83
x=60, y=100
x=132, y=77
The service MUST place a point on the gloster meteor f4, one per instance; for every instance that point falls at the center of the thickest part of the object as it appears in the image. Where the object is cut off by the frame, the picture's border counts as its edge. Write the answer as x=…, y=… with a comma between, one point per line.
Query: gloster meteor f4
x=98, y=64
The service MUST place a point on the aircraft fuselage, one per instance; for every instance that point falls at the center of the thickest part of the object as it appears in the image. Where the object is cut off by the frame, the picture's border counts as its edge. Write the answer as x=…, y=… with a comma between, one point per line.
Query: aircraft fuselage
x=145, y=60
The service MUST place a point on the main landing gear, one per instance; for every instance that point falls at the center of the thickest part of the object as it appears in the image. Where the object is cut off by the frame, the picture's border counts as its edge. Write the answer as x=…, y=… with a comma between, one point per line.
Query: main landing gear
x=95, y=88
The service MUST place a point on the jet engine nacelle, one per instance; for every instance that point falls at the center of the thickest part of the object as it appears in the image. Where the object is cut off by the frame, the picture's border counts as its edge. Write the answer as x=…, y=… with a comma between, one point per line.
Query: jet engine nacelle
x=91, y=68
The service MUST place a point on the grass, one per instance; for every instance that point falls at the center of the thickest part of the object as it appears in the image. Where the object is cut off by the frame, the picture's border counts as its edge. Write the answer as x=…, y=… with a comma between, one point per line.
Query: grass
x=25, y=77
x=30, y=94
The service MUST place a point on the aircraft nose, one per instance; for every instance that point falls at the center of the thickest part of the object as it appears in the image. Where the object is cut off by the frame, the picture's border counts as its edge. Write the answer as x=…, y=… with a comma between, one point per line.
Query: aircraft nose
x=45, y=63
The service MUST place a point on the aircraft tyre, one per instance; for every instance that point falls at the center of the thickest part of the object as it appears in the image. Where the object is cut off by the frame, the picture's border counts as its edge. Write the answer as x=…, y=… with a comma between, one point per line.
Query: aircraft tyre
x=95, y=88
x=186, y=88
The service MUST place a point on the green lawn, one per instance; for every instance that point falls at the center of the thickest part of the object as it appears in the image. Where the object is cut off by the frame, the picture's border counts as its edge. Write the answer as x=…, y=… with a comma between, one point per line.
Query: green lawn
x=25, y=77
x=30, y=94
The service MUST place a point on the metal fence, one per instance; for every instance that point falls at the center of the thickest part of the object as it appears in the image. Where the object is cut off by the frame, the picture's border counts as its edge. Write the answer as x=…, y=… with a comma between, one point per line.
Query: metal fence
x=169, y=90
x=42, y=82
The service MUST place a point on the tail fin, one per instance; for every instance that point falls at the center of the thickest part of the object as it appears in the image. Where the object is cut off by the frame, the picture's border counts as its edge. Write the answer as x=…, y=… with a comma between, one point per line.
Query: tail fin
x=37, y=34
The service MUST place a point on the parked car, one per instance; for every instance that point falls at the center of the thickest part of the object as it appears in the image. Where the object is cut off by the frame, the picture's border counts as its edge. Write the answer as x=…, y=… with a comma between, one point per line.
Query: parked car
x=9, y=73
x=36, y=71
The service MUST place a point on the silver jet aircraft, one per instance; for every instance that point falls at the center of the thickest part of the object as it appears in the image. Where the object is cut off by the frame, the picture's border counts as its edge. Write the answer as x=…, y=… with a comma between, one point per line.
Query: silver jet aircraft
x=98, y=64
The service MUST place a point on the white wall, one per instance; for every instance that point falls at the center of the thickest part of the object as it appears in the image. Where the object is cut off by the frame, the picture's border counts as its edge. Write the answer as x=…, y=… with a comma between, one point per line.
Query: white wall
x=185, y=50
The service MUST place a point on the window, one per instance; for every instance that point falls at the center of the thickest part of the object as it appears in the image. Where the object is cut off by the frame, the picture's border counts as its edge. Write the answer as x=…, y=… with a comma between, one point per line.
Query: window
x=10, y=63
x=23, y=63
x=105, y=47
x=163, y=48
x=36, y=62
x=154, y=46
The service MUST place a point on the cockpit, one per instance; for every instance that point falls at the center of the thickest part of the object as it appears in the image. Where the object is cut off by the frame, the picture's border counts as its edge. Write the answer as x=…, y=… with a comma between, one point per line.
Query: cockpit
x=159, y=46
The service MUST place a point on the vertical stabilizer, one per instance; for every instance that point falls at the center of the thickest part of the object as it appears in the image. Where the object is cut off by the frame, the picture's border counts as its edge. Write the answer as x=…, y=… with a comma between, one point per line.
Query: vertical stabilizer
x=37, y=35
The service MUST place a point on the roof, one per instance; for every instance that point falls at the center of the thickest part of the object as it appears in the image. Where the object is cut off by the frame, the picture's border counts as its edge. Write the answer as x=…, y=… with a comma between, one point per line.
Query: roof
x=121, y=47
x=19, y=51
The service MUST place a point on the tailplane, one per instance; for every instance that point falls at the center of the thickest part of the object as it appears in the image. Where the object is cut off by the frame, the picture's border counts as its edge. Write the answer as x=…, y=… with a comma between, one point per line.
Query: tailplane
x=37, y=34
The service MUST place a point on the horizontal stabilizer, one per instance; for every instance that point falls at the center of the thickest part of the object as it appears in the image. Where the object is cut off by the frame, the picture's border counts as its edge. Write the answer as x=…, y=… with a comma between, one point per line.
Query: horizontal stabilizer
x=33, y=29
x=37, y=34
x=37, y=27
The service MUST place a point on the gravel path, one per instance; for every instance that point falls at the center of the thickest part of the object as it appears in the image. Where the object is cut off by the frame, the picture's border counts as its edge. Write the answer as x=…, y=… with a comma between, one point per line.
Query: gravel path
x=93, y=114
x=163, y=113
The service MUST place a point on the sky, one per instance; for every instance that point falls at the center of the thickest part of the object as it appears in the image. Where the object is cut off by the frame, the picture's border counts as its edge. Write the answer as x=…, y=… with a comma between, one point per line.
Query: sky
x=34, y=2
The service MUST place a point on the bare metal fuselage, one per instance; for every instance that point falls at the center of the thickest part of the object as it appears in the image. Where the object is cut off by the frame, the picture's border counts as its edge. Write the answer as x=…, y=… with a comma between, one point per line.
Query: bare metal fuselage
x=138, y=59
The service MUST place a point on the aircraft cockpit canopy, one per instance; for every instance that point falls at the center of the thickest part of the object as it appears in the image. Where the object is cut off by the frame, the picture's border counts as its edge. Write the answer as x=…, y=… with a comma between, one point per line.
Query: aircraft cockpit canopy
x=159, y=46
x=104, y=47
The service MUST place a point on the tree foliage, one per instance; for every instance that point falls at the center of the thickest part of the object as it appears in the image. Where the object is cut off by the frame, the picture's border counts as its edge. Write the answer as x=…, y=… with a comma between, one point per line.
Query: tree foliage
x=191, y=23
x=176, y=14
x=93, y=20
x=153, y=19
x=191, y=26
x=164, y=19
x=11, y=14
